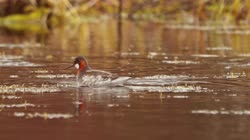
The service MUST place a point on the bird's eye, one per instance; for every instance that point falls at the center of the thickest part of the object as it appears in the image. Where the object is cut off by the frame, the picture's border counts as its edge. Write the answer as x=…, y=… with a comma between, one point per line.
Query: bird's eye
x=77, y=66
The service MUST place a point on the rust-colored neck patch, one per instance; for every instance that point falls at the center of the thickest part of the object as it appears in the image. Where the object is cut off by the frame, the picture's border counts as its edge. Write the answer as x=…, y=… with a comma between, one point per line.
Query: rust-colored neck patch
x=82, y=67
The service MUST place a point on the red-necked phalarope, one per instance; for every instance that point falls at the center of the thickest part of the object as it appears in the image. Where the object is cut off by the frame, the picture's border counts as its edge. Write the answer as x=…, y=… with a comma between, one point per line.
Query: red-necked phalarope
x=92, y=77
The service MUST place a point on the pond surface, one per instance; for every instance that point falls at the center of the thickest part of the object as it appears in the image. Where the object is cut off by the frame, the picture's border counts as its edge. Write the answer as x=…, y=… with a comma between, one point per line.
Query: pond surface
x=186, y=82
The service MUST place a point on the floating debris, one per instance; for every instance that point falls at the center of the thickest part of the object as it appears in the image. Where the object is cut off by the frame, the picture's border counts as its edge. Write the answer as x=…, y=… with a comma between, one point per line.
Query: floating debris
x=180, y=97
x=122, y=96
x=222, y=48
x=205, y=55
x=113, y=105
x=130, y=53
x=151, y=55
x=180, y=62
x=244, y=65
x=232, y=95
x=14, y=76
x=11, y=45
x=118, y=105
x=217, y=100
x=43, y=115
x=235, y=32
x=16, y=105
x=228, y=67
x=9, y=57
x=167, y=77
x=17, y=64
x=67, y=84
x=221, y=112
x=10, y=97
x=192, y=27
x=22, y=88
x=40, y=71
x=244, y=55
x=52, y=76
x=236, y=59
x=232, y=75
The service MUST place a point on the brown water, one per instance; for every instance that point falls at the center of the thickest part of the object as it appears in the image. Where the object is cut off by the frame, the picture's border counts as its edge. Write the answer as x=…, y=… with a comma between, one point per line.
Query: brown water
x=187, y=82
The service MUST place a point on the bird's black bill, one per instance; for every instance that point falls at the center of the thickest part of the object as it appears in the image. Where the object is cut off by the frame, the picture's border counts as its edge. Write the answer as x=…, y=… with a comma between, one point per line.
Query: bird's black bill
x=70, y=66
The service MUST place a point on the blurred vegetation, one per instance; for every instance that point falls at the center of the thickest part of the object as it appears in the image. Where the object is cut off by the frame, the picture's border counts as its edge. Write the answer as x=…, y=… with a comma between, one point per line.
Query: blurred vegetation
x=56, y=12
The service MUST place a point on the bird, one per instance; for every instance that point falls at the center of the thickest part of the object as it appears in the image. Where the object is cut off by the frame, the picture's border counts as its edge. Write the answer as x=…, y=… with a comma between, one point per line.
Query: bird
x=86, y=76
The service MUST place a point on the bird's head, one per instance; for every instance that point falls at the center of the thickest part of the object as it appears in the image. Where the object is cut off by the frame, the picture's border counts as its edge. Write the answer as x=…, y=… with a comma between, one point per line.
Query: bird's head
x=81, y=64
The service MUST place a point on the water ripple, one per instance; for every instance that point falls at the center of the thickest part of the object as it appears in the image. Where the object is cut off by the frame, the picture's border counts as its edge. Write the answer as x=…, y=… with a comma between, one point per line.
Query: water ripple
x=180, y=89
x=162, y=80
x=21, y=88
x=14, y=61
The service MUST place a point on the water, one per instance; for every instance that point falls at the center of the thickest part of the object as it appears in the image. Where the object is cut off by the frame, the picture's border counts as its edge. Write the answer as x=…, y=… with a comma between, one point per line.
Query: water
x=186, y=83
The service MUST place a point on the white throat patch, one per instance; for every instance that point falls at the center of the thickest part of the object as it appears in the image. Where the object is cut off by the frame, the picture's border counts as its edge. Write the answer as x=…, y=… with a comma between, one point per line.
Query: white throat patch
x=77, y=66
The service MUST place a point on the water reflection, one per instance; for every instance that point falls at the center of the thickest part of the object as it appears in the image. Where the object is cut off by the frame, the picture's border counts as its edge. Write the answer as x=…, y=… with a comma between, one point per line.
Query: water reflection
x=119, y=36
x=106, y=96
x=80, y=103
x=111, y=38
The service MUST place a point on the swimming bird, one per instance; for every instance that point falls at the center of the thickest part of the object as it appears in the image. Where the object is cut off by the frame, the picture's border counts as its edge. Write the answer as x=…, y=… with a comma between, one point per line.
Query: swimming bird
x=92, y=77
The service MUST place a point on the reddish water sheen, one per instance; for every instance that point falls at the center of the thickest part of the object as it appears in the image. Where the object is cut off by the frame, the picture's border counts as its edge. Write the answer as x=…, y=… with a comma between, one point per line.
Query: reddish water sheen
x=186, y=83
